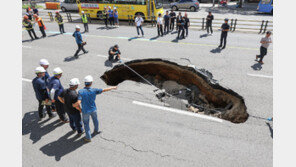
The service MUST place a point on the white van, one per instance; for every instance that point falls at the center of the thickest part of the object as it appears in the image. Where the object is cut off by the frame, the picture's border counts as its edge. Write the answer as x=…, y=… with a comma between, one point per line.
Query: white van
x=69, y=5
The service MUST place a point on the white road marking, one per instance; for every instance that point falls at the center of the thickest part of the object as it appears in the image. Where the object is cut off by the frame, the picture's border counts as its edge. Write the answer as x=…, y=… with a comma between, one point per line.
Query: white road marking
x=258, y=75
x=107, y=57
x=26, y=80
x=29, y=47
x=178, y=111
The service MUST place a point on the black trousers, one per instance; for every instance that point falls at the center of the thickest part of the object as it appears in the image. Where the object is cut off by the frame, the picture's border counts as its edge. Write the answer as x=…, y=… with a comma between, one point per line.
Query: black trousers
x=85, y=27
x=61, y=27
x=111, y=57
x=140, y=27
x=223, y=39
x=179, y=31
x=263, y=52
x=42, y=31
x=75, y=122
x=32, y=32
x=172, y=24
x=166, y=27
x=186, y=31
x=159, y=30
x=60, y=110
x=40, y=109
x=80, y=47
x=111, y=20
x=209, y=27
x=106, y=22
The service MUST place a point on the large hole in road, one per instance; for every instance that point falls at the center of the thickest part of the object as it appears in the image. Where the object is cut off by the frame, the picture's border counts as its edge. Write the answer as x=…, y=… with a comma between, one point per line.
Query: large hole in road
x=196, y=87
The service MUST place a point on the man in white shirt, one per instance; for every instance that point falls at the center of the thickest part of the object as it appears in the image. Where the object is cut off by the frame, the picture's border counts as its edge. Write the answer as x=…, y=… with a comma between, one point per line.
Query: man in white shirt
x=159, y=25
x=265, y=41
x=138, y=21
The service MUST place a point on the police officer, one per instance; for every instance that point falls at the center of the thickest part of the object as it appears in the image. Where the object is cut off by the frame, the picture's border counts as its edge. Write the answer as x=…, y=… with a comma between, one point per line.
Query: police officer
x=79, y=41
x=41, y=25
x=55, y=89
x=41, y=92
x=210, y=18
x=159, y=25
x=186, y=24
x=179, y=17
x=87, y=97
x=173, y=17
x=29, y=27
x=166, y=19
x=59, y=19
x=114, y=51
x=85, y=21
x=180, y=24
x=69, y=97
x=224, y=31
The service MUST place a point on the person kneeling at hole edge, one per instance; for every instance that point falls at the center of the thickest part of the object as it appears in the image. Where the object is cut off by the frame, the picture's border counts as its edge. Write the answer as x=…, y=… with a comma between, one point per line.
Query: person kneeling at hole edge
x=87, y=98
x=114, y=51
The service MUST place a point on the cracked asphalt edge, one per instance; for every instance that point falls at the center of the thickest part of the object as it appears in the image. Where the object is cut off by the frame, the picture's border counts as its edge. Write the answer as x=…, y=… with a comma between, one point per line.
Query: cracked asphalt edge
x=143, y=151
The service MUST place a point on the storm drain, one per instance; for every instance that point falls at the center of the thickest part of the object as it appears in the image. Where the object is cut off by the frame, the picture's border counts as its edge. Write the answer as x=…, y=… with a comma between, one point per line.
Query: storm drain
x=182, y=87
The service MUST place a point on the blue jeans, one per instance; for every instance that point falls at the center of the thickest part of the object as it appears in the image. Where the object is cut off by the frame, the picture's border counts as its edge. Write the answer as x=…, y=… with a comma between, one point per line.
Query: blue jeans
x=75, y=122
x=94, y=117
x=140, y=27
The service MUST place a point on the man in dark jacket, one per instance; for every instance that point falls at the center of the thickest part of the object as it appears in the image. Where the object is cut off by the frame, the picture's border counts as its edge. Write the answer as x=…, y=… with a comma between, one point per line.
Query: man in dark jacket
x=181, y=24
x=173, y=17
x=224, y=30
x=69, y=97
x=166, y=19
x=41, y=93
x=210, y=18
x=114, y=51
x=186, y=24
x=79, y=42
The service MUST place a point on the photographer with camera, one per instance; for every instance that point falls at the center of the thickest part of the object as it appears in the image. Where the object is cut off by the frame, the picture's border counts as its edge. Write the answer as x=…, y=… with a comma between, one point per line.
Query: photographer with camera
x=114, y=51
x=80, y=43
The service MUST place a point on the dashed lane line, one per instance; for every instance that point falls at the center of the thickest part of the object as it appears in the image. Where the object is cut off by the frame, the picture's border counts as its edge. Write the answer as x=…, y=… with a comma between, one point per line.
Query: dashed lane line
x=177, y=111
x=26, y=80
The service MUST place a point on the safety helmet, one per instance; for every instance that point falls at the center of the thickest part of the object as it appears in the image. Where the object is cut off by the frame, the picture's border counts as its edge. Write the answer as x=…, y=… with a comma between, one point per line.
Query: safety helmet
x=39, y=70
x=74, y=82
x=57, y=71
x=88, y=78
x=44, y=62
x=82, y=12
x=26, y=17
x=109, y=7
x=77, y=27
x=57, y=12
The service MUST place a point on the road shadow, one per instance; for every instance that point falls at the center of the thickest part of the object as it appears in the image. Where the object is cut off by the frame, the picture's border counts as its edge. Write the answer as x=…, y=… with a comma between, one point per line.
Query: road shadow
x=203, y=36
x=63, y=146
x=108, y=63
x=53, y=35
x=105, y=28
x=154, y=38
x=132, y=38
x=257, y=66
x=216, y=50
x=27, y=40
x=72, y=58
x=175, y=32
x=270, y=129
x=30, y=125
x=176, y=40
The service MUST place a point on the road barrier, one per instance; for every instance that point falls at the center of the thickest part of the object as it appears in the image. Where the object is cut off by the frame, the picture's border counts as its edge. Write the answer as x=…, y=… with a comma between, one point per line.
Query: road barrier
x=253, y=26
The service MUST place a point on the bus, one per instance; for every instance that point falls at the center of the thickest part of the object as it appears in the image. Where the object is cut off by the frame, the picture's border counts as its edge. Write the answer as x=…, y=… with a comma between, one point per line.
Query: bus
x=146, y=8
x=265, y=6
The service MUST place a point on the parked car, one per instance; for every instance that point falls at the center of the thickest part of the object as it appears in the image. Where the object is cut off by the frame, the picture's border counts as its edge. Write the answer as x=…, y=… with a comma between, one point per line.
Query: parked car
x=193, y=5
x=69, y=5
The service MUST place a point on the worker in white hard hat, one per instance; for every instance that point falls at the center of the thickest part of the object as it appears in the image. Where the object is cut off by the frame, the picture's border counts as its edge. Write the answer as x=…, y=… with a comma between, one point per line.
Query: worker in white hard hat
x=55, y=89
x=79, y=41
x=69, y=97
x=41, y=93
x=87, y=97
x=45, y=64
x=84, y=21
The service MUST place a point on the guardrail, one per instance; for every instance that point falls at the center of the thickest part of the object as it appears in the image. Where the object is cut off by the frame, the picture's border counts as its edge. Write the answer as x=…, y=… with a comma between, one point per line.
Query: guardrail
x=241, y=25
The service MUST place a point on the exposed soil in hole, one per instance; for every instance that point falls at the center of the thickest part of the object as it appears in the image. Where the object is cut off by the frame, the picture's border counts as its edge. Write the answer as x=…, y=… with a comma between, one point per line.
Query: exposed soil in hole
x=197, y=87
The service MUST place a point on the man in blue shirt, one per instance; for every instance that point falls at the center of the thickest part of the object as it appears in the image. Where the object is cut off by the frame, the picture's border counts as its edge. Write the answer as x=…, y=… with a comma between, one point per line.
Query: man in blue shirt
x=55, y=88
x=111, y=16
x=41, y=92
x=79, y=41
x=87, y=97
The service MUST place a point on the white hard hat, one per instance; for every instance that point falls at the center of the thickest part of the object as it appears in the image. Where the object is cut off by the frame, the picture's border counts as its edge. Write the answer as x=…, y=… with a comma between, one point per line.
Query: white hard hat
x=114, y=8
x=57, y=71
x=109, y=7
x=77, y=27
x=82, y=11
x=39, y=70
x=74, y=81
x=43, y=62
x=88, y=78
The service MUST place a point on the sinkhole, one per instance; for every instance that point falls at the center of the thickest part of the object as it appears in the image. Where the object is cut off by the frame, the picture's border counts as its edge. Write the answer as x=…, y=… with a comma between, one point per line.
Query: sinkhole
x=195, y=88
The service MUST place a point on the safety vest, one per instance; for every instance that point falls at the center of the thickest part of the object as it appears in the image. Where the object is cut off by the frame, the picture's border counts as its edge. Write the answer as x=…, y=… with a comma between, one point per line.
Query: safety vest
x=40, y=22
x=59, y=19
x=84, y=18
x=28, y=25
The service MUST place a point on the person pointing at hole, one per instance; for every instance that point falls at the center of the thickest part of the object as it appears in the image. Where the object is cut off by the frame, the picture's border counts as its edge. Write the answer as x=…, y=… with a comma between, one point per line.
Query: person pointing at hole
x=87, y=97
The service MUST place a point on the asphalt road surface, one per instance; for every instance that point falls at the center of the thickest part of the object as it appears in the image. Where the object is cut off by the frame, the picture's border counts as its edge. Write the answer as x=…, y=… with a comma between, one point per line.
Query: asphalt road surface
x=138, y=135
